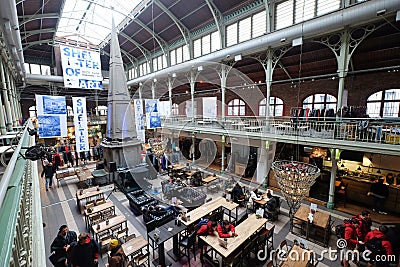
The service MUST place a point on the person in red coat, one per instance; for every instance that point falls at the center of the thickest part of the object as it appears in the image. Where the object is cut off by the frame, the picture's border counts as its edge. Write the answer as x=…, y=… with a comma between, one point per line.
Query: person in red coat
x=225, y=229
x=364, y=219
x=207, y=229
x=350, y=235
x=381, y=234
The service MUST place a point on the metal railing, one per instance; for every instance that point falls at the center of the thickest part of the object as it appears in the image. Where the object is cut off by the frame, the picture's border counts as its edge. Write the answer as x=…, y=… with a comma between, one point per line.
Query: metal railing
x=21, y=232
x=376, y=131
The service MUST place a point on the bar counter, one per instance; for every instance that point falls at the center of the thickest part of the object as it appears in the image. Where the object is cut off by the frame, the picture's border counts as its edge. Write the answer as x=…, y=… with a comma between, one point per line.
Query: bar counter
x=359, y=187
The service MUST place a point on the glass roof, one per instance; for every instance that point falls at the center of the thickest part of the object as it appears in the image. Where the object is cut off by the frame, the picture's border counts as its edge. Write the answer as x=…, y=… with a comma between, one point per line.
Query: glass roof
x=90, y=20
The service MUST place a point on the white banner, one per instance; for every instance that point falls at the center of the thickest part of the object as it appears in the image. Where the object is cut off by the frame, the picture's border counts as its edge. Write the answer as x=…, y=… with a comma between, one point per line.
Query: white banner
x=80, y=122
x=152, y=115
x=210, y=107
x=52, y=116
x=139, y=117
x=81, y=68
x=164, y=109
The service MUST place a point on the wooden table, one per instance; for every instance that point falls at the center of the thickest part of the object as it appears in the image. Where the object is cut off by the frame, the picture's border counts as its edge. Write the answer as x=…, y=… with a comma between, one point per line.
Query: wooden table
x=244, y=231
x=209, y=207
x=64, y=173
x=86, y=195
x=111, y=223
x=134, y=245
x=300, y=262
x=321, y=220
x=84, y=175
x=96, y=210
x=209, y=179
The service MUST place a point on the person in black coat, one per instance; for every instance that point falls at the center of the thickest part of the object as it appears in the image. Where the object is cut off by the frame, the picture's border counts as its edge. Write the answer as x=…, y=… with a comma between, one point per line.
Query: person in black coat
x=379, y=192
x=48, y=172
x=86, y=252
x=237, y=193
x=63, y=244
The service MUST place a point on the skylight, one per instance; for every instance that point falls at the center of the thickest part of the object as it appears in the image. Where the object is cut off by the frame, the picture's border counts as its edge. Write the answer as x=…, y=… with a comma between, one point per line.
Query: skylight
x=90, y=20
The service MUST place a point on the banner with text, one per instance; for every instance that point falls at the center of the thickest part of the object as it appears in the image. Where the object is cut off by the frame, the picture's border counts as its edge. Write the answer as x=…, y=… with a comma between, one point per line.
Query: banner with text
x=81, y=68
x=152, y=115
x=139, y=117
x=80, y=122
x=52, y=116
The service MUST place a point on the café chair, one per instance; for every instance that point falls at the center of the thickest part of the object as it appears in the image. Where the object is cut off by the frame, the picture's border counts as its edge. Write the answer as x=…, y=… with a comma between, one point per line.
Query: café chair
x=122, y=234
x=285, y=247
x=105, y=239
x=100, y=201
x=129, y=237
x=187, y=243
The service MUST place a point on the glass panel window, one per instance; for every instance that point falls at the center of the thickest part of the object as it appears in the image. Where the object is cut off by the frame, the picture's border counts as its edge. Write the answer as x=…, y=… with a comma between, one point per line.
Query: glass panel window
x=327, y=6
x=231, y=34
x=175, y=109
x=185, y=52
x=160, y=62
x=275, y=106
x=304, y=10
x=259, y=25
x=384, y=104
x=45, y=70
x=206, y=44
x=215, y=41
x=172, y=56
x=320, y=101
x=197, y=48
x=164, y=61
x=27, y=68
x=373, y=109
x=35, y=69
x=179, y=55
x=236, y=107
x=155, y=68
x=245, y=29
x=284, y=14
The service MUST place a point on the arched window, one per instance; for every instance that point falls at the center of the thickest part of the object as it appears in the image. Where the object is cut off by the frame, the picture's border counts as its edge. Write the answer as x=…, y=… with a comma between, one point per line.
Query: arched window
x=275, y=106
x=236, y=107
x=320, y=101
x=175, y=109
x=384, y=103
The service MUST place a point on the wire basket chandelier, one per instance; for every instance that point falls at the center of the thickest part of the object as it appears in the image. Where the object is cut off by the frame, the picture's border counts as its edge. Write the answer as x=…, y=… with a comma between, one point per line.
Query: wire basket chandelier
x=294, y=179
x=158, y=145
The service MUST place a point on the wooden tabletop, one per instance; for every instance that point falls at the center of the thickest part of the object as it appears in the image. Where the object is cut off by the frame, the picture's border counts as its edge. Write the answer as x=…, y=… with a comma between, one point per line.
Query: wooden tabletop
x=88, y=194
x=134, y=245
x=112, y=222
x=84, y=175
x=99, y=208
x=243, y=230
x=178, y=167
x=210, y=178
x=321, y=218
x=190, y=173
x=204, y=210
x=293, y=261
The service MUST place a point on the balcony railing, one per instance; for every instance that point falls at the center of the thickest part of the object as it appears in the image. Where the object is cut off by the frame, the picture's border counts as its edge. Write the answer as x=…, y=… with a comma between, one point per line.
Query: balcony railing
x=21, y=231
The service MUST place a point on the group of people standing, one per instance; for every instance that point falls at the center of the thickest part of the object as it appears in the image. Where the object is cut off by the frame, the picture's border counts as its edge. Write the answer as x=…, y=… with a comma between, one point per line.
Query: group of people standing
x=381, y=242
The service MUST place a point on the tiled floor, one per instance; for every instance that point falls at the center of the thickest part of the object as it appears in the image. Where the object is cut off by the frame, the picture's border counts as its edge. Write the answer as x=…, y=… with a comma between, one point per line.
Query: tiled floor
x=59, y=207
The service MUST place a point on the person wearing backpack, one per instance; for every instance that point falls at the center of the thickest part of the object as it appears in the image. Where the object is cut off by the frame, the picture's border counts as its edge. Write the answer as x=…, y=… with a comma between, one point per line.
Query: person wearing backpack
x=206, y=227
x=117, y=256
x=350, y=235
x=377, y=243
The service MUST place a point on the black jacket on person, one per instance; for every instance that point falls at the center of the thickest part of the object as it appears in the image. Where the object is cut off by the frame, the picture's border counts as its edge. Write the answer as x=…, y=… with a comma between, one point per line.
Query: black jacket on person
x=237, y=192
x=83, y=255
x=59, y=242
x=380, y=189
x=48, y=171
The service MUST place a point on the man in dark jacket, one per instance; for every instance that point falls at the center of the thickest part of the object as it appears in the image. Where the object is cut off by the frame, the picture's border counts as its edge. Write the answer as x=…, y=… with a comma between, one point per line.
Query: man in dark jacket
x=86, y=252
x=48, y=172
x=237, y=193
x=62, y=245
x=379, y=192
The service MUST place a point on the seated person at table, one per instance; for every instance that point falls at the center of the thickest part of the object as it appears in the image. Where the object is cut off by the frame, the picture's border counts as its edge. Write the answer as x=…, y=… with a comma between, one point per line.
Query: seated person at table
x=116, y=256
x=207, y=228
x=254, y=195
x=270, y=207
x=237, y=193
x=225, y=229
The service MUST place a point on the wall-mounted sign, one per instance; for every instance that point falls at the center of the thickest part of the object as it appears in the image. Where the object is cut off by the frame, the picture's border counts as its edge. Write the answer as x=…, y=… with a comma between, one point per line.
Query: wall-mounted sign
x=81, y=68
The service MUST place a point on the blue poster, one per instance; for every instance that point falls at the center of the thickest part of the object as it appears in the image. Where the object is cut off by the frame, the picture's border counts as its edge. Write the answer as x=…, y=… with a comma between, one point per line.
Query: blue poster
x=54, y=105
x=152, y=114
x=49, y=126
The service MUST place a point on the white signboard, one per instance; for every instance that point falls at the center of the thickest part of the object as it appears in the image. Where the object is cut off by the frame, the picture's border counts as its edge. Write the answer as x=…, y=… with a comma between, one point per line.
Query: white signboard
x=81, y=68
x=80, y=122
x=139, y=117
x=52, y=116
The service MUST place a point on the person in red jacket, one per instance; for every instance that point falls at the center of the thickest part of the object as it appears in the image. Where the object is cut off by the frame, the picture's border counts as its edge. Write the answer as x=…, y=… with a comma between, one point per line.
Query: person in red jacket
x=350, y=235
x=386, y=245
x=364, y=218
x=207, y=229
x=225, y=229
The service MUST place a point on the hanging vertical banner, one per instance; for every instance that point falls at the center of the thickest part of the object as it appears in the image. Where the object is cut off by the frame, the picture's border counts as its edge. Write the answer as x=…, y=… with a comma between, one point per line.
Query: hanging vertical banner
x=81, y=68
x=139, y=119
x=52, y=116
x=210, y=107
x=152, y=115
x=80, y=122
